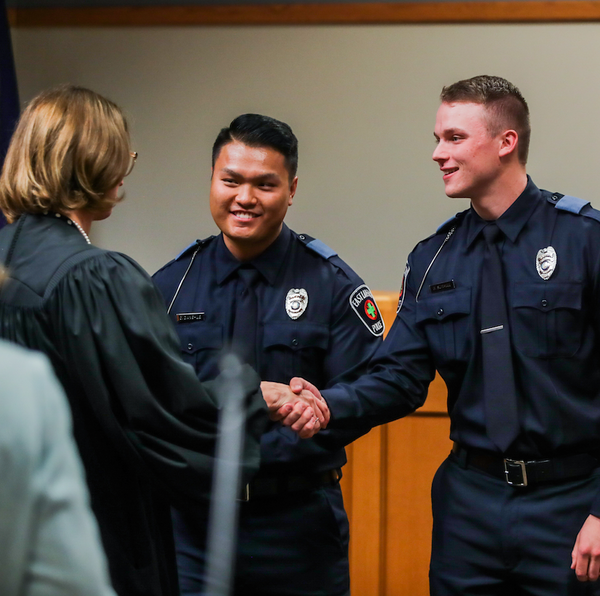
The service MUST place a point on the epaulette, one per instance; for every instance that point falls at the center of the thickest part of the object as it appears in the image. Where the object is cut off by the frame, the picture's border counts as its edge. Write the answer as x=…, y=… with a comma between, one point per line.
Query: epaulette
x=574, y=205
x=449, y=223
x=188, y=249
x=567, y=203
x=317, y=246
x=447, y=228
x=330, y=255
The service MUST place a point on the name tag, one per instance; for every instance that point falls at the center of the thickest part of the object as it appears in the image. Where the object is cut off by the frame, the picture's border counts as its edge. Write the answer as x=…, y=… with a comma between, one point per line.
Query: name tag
x=442, y=287
x=188, y=317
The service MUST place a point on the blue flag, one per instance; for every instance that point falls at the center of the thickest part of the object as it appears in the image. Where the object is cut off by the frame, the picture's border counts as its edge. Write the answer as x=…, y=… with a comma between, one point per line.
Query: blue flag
x=9, y=98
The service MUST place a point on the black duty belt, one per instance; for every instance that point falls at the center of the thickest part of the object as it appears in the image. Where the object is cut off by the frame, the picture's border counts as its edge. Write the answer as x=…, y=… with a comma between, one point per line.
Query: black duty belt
x=273, y=486
x=519, y=472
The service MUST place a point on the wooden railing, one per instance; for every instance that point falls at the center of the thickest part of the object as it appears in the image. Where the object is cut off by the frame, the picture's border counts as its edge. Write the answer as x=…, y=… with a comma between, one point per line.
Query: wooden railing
x=386, y=487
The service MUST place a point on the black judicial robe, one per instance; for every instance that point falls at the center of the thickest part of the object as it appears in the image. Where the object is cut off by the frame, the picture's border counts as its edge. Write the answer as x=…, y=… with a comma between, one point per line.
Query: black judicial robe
x=145, y=426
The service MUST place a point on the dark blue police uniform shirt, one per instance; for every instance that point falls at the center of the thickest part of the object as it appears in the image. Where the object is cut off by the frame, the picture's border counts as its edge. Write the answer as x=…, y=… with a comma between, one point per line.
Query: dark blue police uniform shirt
x=327, y=344
x=554, y=326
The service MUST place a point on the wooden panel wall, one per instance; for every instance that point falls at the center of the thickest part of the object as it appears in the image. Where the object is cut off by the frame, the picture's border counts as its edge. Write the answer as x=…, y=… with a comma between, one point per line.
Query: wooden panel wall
x=311, y=13
x=386, y=487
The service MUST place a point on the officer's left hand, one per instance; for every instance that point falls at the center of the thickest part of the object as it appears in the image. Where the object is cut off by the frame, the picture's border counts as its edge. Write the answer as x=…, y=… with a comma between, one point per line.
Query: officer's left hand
x=586, y=553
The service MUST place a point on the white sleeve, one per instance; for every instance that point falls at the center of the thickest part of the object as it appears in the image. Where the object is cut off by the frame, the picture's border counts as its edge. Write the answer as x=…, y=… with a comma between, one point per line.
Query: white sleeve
x=49, y=542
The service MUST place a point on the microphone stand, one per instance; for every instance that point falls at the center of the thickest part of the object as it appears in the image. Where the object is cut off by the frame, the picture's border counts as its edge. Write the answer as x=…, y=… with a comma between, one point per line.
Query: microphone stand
x=224, y=508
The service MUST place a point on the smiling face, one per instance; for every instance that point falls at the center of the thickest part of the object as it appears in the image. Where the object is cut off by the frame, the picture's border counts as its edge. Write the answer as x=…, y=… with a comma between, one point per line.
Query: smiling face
x=469, y=156
x=250, y=194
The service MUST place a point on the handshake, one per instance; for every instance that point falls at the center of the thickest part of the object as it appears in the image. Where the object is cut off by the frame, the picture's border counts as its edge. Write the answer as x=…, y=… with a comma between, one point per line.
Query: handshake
x=298, y=405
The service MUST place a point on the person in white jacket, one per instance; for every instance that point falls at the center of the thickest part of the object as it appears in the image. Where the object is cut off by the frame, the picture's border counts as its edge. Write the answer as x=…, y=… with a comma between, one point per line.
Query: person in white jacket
x=49, y=541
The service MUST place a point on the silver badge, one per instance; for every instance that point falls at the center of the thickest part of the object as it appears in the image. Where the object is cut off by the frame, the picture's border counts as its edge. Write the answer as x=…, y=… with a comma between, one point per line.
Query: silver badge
x=545, y=262
x=296, y=302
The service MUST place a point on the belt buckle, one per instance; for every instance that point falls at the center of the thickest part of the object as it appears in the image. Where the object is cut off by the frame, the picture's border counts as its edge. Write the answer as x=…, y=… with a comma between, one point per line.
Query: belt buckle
x=245, y=496
x=520, y=464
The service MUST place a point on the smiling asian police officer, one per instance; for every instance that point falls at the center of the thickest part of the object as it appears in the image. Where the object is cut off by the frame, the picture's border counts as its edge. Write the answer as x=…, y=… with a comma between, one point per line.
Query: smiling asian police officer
x=503, y=302
x=289, y=306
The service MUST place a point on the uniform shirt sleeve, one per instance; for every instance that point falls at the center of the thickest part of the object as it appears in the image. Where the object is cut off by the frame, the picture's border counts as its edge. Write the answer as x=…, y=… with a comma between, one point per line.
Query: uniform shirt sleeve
x=49, y=542
x=352, y=345
x=595, y=508
x=398, y=375
x=122, y=356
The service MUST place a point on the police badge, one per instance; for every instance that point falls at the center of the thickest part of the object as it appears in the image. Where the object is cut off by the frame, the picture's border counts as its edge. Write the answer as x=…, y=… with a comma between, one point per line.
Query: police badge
x=545, y=262
x=296, y=302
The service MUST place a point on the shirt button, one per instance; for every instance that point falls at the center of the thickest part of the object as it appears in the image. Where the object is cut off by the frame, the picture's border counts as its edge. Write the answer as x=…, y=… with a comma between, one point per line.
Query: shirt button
x=294, y=342
x=440, y=312
x=544, y=303
x=190, y=347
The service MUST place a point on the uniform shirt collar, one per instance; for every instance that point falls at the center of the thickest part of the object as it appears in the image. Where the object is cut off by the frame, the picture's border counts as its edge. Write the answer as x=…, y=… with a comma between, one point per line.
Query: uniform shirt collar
x=513, y=220
x=268, y=263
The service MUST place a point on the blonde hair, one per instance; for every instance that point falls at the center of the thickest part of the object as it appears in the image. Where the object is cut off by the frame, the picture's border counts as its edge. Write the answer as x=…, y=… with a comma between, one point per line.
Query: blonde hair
x=71, y=146
x=505, y=105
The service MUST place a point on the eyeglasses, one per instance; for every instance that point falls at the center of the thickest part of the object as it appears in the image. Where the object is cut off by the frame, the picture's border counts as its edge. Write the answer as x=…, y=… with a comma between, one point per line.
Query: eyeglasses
x=133, y=155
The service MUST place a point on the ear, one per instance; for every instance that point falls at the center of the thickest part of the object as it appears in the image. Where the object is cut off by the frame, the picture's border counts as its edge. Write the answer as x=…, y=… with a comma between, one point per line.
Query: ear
x=293, y=187
x=508, y=142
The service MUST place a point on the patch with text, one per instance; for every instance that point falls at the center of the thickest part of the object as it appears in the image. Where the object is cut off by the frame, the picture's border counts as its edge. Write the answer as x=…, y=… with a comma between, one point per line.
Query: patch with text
x=364, y=305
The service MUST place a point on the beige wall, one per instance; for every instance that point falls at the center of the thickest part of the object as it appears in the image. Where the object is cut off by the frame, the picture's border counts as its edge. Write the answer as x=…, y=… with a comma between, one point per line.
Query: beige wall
x=361, y=99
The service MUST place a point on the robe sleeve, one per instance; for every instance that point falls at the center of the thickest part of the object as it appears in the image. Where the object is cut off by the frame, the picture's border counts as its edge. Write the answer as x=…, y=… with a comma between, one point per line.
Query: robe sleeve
x=121, y=355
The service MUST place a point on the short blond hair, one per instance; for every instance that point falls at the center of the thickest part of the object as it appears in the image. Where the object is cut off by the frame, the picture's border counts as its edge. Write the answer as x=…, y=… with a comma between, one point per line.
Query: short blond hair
x=505, y=105
x=71, y=146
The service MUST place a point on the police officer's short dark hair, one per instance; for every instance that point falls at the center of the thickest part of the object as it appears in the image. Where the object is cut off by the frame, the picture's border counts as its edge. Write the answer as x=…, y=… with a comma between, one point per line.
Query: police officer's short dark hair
x=503, y=100
x=255, y=130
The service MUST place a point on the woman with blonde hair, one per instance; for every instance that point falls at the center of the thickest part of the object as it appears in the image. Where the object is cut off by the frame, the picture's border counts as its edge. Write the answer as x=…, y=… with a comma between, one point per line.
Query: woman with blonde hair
x=145, y=426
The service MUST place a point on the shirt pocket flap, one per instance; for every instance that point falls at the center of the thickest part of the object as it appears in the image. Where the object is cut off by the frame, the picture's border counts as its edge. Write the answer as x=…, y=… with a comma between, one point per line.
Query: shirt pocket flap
x=200, y=336
x=444, y=305
x=546, y=297
x=296, y=335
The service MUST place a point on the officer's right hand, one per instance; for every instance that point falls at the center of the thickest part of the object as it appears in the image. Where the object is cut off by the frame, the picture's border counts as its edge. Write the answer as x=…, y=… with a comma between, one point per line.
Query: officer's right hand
x=586, y=552
x=301, y=411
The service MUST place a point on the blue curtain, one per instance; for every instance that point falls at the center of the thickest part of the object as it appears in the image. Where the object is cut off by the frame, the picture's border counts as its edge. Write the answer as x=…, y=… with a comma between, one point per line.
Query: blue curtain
x=9, y=98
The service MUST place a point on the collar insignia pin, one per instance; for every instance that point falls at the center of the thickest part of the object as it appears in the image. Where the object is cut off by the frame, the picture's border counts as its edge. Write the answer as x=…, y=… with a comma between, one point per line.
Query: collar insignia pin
x=545, y=262
x=296, y=302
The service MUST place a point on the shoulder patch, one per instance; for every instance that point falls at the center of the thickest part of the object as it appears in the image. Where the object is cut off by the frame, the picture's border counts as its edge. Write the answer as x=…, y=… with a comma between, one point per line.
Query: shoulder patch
x=571, y=204
x=364, y=305
x=317, y=246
